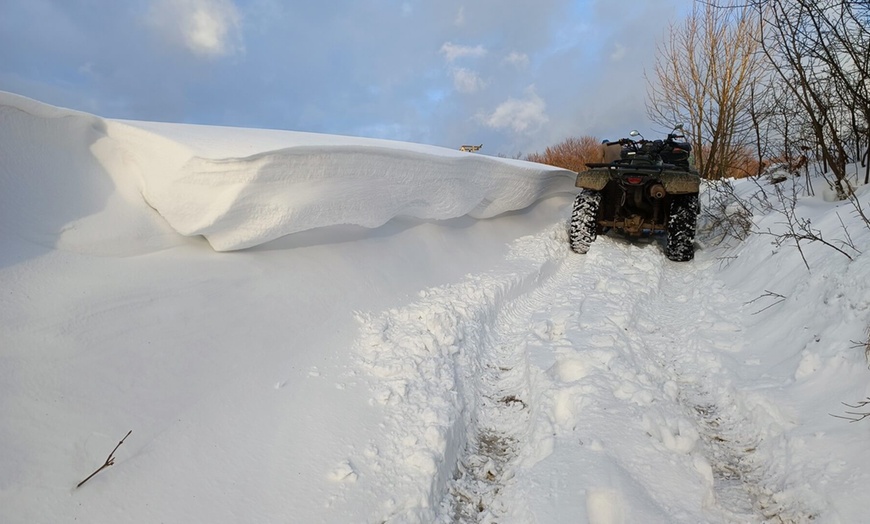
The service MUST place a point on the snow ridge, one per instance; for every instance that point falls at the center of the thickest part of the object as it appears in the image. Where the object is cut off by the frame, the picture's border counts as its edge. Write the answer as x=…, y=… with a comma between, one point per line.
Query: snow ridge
x=238, y=203
x=236, y=193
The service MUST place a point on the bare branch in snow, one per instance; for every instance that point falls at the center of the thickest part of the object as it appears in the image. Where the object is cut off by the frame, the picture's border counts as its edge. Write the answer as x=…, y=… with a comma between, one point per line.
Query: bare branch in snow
x=768, y=294
x=855, y=416
x=109, y=461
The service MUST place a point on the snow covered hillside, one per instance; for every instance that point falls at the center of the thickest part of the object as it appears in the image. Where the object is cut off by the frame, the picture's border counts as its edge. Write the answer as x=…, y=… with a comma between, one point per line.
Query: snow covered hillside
x=311, y=328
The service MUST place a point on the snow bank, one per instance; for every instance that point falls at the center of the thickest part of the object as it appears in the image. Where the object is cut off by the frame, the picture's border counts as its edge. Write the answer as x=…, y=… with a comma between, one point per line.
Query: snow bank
x=66, y=174
x=238, y=203
x=238, y=193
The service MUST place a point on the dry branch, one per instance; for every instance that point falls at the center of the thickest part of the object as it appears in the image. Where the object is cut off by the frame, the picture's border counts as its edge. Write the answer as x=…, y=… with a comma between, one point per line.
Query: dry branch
x=856, y=416
x=109, y=461
x=768, y=294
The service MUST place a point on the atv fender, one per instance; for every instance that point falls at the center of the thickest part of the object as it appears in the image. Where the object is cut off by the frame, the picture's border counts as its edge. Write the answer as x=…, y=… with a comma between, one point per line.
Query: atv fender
x=594, y=179
x=679, y=183
x=674, y=182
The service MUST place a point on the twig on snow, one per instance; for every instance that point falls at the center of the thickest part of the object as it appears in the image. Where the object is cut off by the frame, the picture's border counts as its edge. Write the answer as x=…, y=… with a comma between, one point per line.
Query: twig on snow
x=725, y=261
x=849, y=242
x=859, y=210
x=109, y=461
x=855, y=416
x=768, y=294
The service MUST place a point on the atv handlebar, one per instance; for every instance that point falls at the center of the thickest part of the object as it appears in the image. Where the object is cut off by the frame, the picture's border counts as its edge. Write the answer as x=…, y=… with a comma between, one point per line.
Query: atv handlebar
x=635, y=144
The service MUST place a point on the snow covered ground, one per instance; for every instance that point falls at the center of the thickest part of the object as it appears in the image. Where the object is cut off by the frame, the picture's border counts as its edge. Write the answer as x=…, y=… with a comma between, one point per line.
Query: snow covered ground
x=310, y=328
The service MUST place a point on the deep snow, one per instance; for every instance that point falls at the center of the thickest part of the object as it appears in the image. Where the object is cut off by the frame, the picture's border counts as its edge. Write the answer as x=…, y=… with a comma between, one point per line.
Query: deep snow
x=400, y=335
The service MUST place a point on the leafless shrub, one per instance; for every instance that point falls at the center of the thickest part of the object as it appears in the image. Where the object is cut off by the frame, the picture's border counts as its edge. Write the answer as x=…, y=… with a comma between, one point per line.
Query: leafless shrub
x=725, y=214
x=800, y=229
x=573, y=153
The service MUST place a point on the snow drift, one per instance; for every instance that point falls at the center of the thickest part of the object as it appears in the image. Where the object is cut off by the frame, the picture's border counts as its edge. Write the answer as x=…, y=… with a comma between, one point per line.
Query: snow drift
x=241, y=202
x=307, y=182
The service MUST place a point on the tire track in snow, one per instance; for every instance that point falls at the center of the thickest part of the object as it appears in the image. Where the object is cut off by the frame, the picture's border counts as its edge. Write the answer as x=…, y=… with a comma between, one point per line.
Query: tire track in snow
x=741, y=433
x=612, y=360
x=505, y=401
x=427, y=359
x=638, y=376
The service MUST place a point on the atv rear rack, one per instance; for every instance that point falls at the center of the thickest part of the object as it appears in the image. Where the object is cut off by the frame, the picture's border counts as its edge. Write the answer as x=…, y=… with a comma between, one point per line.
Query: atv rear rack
x=649, y=167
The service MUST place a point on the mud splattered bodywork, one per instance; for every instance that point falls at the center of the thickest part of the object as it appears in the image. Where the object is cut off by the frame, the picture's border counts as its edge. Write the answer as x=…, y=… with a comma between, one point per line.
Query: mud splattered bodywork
x=646, y=187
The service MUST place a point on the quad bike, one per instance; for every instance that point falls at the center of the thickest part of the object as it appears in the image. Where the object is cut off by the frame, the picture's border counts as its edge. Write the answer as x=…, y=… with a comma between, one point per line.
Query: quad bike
x=642, y=187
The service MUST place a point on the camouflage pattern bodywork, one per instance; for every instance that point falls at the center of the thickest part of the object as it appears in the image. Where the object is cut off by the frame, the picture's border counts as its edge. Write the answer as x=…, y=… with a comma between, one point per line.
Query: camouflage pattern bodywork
x=674, y=182
x=639, y=187
x=640, y=206
x=594, y=179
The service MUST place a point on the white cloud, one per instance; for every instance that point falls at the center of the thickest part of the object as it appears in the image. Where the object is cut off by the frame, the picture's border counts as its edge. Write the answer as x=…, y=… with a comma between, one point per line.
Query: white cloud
x=209, y=28
x=619, y=51
x=460, y=17
x=528, y=114
x=467, y=81
x=520, y=60
x=453, y=51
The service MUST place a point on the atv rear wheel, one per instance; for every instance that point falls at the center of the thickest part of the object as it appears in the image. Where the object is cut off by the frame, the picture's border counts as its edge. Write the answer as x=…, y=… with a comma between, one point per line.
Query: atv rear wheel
x=583, y=228
x=681, y=228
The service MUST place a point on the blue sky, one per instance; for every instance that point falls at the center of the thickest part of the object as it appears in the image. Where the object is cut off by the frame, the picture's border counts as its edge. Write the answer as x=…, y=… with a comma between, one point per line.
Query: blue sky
x=515, y=75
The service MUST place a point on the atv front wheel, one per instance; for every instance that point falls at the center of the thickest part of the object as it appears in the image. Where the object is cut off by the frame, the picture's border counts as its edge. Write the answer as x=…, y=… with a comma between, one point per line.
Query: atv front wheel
x=681, y=228
x=584, y=221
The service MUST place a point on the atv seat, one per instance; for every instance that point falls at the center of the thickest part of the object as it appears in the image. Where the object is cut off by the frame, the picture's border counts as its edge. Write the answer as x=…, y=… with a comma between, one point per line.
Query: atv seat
x=610, y=151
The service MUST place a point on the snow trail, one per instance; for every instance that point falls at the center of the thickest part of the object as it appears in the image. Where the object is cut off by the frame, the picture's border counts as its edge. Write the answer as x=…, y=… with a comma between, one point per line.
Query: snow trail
x=426, y=359
x=613, y=360
x=638, y=376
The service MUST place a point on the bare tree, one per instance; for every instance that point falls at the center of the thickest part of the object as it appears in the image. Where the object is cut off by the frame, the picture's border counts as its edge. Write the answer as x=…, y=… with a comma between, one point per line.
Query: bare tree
x=706, y=74
x=820, y=49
